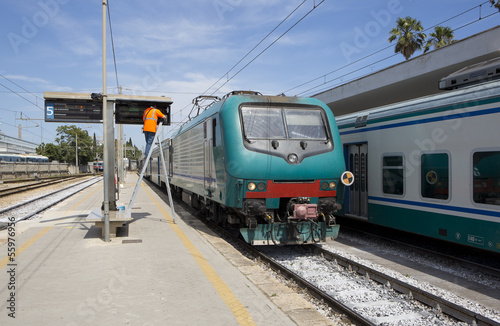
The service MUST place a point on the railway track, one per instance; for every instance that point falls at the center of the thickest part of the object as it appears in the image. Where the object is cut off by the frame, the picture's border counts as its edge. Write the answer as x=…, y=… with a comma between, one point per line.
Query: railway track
x=366, y=295
x=363, y=293
x=31, y=185
x=30, y=208
x=485, y=265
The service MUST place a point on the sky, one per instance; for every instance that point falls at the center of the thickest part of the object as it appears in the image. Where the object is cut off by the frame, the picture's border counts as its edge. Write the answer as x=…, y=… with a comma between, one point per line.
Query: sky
x=182, y=49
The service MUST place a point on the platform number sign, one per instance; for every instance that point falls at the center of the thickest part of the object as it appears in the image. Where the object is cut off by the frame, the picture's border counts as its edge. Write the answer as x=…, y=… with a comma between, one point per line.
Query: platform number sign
x=49, y=111
x=71, y=110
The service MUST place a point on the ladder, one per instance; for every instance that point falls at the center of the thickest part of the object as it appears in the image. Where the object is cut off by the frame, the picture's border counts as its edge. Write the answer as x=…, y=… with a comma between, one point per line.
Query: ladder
x=128, y=210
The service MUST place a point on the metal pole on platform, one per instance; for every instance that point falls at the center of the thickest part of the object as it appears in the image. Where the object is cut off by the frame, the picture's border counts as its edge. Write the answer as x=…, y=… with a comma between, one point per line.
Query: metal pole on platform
x=76, y=149
x=119, y=155
x=108, y=170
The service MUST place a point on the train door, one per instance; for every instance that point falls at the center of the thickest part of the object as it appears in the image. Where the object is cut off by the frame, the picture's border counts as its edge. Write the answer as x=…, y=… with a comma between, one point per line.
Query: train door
x=208, y=130
x=357, y=161
x=170, y=158
x=159, y=169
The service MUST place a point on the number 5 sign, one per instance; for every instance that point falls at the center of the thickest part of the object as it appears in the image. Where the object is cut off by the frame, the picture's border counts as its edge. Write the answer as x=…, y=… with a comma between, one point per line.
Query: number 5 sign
x=49, y=111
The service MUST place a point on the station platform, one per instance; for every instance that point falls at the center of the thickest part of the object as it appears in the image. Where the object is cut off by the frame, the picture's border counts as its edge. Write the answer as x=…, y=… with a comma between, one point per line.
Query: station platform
x=157, y=273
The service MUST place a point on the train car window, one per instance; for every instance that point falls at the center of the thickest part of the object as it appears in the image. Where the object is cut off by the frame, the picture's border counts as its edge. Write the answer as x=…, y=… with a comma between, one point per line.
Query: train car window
x=392, y=172
x=362, y=163
x=305, y=124
x=263, y=123
x=486, y=177
x=435, y=176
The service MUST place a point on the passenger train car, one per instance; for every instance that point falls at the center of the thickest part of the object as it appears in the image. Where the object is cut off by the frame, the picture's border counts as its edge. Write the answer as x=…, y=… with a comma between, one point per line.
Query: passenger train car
x=429, y=166
x=12, y=157
x=268, y=165
x=98, y=166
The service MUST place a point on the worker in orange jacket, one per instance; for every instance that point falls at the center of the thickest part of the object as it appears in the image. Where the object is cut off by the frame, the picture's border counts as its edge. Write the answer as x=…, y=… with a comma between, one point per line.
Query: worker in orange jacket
x=150, y=118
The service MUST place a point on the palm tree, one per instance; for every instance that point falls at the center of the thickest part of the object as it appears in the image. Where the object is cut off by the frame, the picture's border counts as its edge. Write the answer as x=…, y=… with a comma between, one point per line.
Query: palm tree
x=441, y=36
x=409, y=35
x=495, y=3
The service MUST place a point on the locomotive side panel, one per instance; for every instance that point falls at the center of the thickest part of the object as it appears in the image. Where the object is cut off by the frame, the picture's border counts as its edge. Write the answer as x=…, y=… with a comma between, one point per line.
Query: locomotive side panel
x=189, y=160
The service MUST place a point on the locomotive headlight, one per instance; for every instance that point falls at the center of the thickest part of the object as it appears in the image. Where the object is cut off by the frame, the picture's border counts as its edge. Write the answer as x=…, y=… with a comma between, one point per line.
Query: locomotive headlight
x=324, y=185
x=333, y=185
x=261, y=186
x=293, y=158
x=251, y=186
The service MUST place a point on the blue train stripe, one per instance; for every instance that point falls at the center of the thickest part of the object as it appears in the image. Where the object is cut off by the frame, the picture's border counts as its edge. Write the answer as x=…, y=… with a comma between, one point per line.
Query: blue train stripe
x=427, y=120
x=437, y=206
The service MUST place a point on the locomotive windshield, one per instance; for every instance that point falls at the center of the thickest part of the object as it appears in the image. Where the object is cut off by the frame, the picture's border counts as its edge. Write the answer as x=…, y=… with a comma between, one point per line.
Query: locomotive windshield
x=283, y=123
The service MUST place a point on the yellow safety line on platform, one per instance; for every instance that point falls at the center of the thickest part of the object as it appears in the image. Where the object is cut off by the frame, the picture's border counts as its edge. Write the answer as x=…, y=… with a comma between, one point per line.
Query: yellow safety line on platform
x=25, y=246
x=237, y=308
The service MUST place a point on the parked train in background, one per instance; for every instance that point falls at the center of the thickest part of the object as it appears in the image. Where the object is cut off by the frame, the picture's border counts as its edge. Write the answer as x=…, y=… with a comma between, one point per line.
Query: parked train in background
x=270, y=166
x=429, y=166
x=98, y=166
x=12, y=157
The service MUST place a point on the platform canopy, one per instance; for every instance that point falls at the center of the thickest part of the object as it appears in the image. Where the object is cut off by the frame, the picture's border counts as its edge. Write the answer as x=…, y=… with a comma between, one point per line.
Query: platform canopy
x=414, y=78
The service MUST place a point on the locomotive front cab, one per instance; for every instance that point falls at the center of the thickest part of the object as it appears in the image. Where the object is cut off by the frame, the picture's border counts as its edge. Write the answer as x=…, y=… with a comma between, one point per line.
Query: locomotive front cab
x=289, y=170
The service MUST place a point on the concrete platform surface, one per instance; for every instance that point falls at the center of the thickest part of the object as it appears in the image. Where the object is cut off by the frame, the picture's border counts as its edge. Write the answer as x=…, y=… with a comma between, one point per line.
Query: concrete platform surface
x=161, y=273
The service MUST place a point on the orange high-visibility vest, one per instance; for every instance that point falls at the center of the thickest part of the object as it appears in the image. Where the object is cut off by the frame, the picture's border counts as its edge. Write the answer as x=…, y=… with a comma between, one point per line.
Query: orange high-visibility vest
x=150, y=118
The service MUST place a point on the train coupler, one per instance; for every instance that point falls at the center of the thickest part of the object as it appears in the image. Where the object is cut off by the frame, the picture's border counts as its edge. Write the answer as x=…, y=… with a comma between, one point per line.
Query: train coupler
x=330, y=220
x=252, y=223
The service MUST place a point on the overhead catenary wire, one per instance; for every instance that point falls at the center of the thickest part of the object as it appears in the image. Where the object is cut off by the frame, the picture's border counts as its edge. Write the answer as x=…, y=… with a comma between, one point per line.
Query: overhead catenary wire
x=24, y=89
x=113, y=46
x=248, y=53
x=38, y=98
x=303, y=93
x=258, y=55
x=21, y=96
x=185, y=119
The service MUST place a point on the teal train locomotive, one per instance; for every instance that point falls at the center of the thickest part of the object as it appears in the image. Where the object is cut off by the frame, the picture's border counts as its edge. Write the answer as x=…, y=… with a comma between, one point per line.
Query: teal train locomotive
x=271, y=166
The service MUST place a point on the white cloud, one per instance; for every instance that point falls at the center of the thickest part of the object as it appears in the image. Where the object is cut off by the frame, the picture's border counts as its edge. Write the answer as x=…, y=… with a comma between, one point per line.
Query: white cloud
x=35, y=80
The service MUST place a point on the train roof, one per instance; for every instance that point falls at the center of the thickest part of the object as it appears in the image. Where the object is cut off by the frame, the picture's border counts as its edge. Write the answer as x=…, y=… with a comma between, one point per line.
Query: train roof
x=21, y=154
x=466, y=94
x=413, y=78
x=475, y=73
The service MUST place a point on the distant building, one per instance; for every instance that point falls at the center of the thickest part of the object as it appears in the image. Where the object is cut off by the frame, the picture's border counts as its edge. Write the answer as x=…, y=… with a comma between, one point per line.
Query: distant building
x=15, y=145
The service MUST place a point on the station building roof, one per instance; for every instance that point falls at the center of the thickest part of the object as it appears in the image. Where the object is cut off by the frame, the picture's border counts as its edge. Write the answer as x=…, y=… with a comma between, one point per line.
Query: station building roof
x=10, y=144
x=414, y=78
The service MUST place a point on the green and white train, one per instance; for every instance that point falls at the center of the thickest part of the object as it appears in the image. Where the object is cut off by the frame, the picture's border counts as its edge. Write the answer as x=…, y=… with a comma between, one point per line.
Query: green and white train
x=270, y=166
x=429, y=166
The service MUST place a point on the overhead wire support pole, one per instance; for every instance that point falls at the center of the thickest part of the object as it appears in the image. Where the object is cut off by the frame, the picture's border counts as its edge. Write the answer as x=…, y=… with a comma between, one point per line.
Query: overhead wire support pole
x=107, y=158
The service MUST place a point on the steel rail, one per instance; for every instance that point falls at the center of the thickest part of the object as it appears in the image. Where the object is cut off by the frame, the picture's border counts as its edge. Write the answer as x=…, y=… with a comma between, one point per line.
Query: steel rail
x=352, y=315
x=429, y=299
x=415, y=248
x=36, y=185
x=95, y=180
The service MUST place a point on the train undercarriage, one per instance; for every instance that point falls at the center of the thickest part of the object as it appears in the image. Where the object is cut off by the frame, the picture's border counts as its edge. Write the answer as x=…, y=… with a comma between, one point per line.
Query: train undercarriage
x=297, y=221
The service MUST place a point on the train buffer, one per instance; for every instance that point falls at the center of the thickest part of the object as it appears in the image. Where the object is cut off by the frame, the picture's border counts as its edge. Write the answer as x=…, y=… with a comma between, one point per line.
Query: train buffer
x=116, y=219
